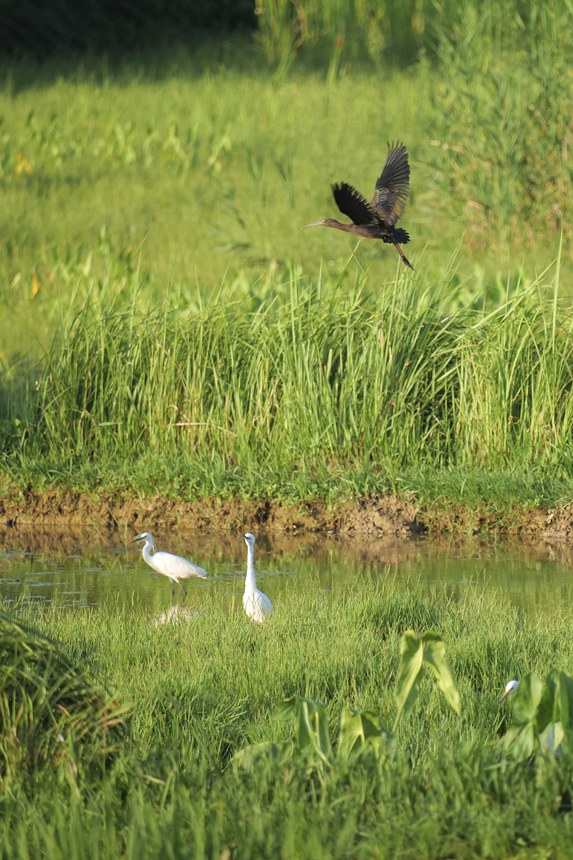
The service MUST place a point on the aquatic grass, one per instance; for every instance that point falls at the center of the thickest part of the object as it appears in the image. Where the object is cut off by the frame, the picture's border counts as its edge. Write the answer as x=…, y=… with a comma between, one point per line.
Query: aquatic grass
x=202, y=690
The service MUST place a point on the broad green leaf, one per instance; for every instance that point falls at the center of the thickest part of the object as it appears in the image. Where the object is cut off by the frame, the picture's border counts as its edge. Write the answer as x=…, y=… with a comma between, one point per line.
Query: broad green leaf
x=552, y=737
x=359, y=729
x=435, y=657
x=542, y=715
x=415, y=651
x=528, y=701
x=411, y=660
x=561, y=686
x=520, y=741
x=311, y=724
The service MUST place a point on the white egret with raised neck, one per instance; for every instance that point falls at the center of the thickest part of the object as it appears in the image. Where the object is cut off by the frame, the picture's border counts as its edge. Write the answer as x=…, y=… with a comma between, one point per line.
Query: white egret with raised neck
x=256, y=604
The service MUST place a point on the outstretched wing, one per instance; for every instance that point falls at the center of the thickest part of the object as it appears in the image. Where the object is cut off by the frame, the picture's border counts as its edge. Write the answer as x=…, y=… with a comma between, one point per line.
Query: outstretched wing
x=352, y=203
x=392, y=186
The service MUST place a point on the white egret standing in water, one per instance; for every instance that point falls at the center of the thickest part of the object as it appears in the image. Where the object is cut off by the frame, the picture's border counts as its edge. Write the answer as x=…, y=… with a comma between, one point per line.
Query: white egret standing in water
x=257, y=605
x=175, y=567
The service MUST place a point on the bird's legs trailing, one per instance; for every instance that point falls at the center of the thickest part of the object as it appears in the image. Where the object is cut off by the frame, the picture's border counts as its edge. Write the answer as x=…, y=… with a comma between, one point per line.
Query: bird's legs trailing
x=403, y=256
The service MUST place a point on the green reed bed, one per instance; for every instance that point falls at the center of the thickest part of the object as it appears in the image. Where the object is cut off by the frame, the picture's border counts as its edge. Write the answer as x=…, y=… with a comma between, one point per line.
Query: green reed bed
x=200, y=691
x=318, y=392
x=336, y=32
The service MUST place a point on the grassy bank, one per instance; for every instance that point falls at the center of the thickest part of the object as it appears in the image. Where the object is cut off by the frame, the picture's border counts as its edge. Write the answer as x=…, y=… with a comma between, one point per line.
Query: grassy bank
x=199, y=692
x=307, y=392
x=167, y=327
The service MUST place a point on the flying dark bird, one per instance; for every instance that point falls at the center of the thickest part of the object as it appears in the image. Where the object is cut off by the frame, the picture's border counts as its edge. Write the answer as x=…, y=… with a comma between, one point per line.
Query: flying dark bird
x=377, y=219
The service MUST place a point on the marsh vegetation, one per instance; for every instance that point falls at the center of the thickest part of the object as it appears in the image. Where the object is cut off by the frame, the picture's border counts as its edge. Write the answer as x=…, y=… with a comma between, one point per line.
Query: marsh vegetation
x=194, y=695
x=167, y=328
x=163, y=309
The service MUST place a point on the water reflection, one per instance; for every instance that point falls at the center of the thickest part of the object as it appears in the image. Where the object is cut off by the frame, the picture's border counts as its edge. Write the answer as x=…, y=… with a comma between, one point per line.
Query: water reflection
x=85, y=567
x=175, y=615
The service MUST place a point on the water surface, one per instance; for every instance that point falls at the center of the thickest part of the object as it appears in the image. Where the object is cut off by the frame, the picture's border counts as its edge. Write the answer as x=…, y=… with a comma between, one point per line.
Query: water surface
x=87, y=567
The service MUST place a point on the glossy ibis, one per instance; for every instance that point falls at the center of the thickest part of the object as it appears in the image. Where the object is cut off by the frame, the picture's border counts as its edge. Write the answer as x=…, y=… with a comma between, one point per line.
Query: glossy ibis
x=377, y=219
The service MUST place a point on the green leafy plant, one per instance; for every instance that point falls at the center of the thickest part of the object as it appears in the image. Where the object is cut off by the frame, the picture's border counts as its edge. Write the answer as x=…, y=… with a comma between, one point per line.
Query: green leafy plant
x=542, y=716
x=415, y=653
x=359, y=730
x=311, y=721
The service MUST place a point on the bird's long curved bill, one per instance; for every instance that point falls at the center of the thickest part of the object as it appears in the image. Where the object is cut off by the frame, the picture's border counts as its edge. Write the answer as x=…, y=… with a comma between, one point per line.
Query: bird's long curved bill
x=314, y=224
x=504, y=695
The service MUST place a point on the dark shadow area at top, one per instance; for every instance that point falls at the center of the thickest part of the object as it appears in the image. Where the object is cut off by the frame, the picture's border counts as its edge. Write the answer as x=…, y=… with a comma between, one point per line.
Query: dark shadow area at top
x=103, y=40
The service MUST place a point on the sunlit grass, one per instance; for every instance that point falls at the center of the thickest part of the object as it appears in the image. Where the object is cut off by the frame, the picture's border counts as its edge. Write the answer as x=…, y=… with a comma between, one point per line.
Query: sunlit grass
x=200, y=691
x=197, y=169
x=202, y=173
x=199, y=343
x=306, y=390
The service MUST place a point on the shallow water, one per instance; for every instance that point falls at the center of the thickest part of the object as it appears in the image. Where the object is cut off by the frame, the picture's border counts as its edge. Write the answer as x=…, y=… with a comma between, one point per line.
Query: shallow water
x=87, y=567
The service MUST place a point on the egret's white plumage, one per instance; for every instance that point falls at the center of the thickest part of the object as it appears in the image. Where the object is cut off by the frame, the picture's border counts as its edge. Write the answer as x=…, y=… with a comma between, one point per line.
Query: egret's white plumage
x=175, y=567
x=256, y=604
x=510, y=687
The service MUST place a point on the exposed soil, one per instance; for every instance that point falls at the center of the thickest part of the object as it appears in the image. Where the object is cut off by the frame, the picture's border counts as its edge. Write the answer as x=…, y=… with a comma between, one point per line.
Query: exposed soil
x=388, y=517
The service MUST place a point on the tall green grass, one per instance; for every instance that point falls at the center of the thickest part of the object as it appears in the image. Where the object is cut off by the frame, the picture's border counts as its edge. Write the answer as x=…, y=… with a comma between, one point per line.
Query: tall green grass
x=209, y=354
x=336, y=388
x=500, y=133
x=336, y=32
x=201, y=691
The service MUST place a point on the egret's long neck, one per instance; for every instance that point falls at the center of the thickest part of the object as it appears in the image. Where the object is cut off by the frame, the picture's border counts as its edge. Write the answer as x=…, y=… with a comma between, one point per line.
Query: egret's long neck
x=148, y=550
x=251, y=580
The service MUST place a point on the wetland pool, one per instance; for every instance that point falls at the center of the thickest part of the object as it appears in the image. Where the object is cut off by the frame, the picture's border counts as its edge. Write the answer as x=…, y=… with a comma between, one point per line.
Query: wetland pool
x=86, y=568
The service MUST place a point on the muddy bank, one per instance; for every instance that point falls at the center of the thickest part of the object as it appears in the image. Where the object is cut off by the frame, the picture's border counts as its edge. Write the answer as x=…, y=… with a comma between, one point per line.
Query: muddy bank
x=387, y=517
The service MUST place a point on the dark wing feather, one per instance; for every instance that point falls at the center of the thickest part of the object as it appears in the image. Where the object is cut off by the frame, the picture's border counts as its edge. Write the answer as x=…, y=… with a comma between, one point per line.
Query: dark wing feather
x=352, y=203
x=392, y=186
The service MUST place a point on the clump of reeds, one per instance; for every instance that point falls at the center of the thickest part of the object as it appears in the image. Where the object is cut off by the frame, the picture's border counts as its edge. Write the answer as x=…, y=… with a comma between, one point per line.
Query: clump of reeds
x=50, y=712
x=346, y=385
